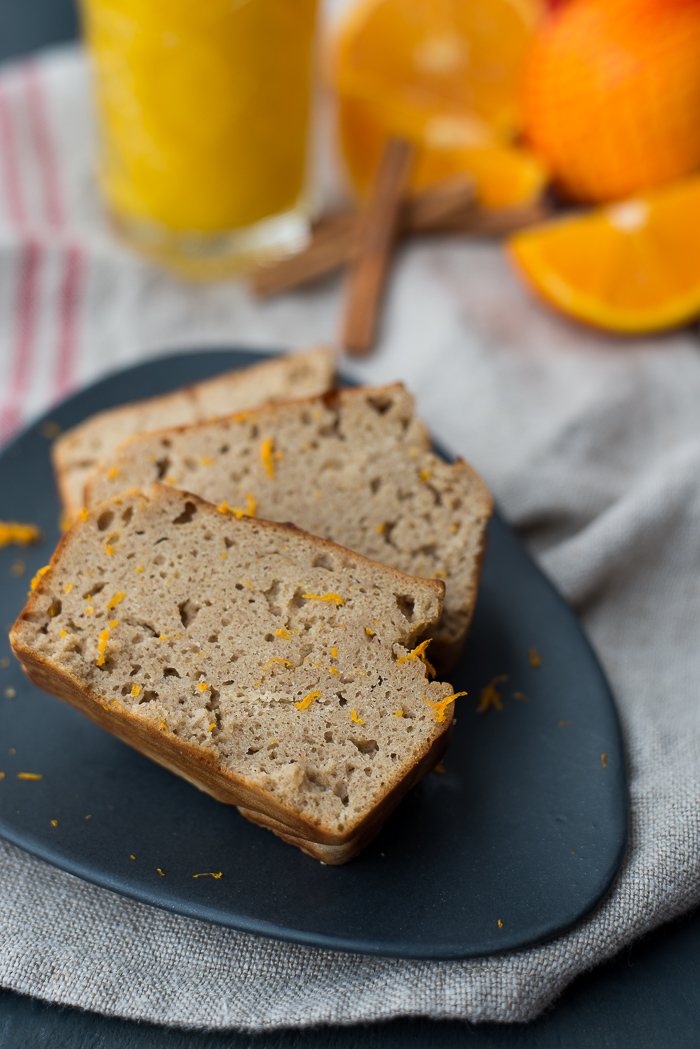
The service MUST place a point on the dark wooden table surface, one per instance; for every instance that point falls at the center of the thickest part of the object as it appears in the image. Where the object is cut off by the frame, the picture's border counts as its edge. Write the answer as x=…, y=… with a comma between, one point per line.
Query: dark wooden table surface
x=647, y=998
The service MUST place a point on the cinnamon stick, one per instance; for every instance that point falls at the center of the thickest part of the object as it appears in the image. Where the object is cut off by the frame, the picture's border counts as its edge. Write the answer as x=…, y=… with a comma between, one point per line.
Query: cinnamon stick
x=334, y=238
x=378, y=228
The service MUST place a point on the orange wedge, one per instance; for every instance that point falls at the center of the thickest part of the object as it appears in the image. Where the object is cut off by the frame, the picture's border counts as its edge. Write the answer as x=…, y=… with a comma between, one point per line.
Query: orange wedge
x=629, y=267
x=446, y=75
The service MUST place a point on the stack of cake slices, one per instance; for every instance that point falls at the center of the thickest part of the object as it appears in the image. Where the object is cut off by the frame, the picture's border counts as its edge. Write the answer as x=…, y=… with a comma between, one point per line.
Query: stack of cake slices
x=261, y=601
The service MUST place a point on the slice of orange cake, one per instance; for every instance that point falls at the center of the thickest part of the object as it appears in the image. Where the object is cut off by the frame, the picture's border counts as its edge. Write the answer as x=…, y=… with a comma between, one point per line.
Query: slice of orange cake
x=271, y=668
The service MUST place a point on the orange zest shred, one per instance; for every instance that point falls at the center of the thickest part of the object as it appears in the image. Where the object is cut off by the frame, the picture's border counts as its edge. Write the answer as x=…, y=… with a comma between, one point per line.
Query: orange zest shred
x=163, y=724
x=307, y=700
x=604, y=760
x=2, y=775
x=358, y=721
x=268, y=456
x=35, y=581
x=419, y=653
x=534, y=657
x=162, y=873
x=68, y=587
x=334, y=671
x=139, y=568
x=212, y=726
x=206, y=460
x=324, y=597
x=135, y=690
x=202, y=686
x=500, y=924
x=283, y=632
x=276, y=659
x=440, y=769
x=54, y=823
x=29, y=775
x=102, y=646
x=424, y=475
x=115, y=601
x=108, y=548
x=398, y=713
x=369, y=632
x=64, y=632
x=251, y=504
x=208, y=874
x=83, y=514
x=490, y=696
x=114, y=472
x=20, y=534
x=441, y=704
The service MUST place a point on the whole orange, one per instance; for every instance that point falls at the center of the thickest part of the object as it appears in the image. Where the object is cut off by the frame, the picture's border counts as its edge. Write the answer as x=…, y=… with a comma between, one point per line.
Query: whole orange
x=611, y=95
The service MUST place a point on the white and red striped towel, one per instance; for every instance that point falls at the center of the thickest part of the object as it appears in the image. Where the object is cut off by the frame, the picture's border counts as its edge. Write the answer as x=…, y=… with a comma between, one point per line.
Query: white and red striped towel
x=43, y=261
x=592, y=446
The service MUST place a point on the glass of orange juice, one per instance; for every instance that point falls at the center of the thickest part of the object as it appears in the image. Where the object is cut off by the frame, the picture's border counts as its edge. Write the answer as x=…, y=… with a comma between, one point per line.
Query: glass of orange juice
x=204, y=114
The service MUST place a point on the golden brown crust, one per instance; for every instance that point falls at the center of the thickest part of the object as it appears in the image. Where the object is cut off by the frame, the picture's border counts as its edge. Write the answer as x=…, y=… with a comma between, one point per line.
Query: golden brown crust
x=333, y=855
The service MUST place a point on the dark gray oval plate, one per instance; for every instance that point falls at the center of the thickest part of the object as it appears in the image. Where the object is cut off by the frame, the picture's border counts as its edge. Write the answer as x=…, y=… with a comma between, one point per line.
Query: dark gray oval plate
x=515, y=842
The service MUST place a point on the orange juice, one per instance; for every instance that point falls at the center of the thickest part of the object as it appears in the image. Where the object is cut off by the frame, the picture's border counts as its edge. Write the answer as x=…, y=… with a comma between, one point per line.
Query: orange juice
x=204, y=113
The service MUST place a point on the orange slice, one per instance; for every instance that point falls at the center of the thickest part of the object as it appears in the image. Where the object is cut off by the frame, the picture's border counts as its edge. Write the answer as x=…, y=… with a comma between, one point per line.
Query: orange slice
x=504, y=177
x=629, y=267
x=442, y=73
